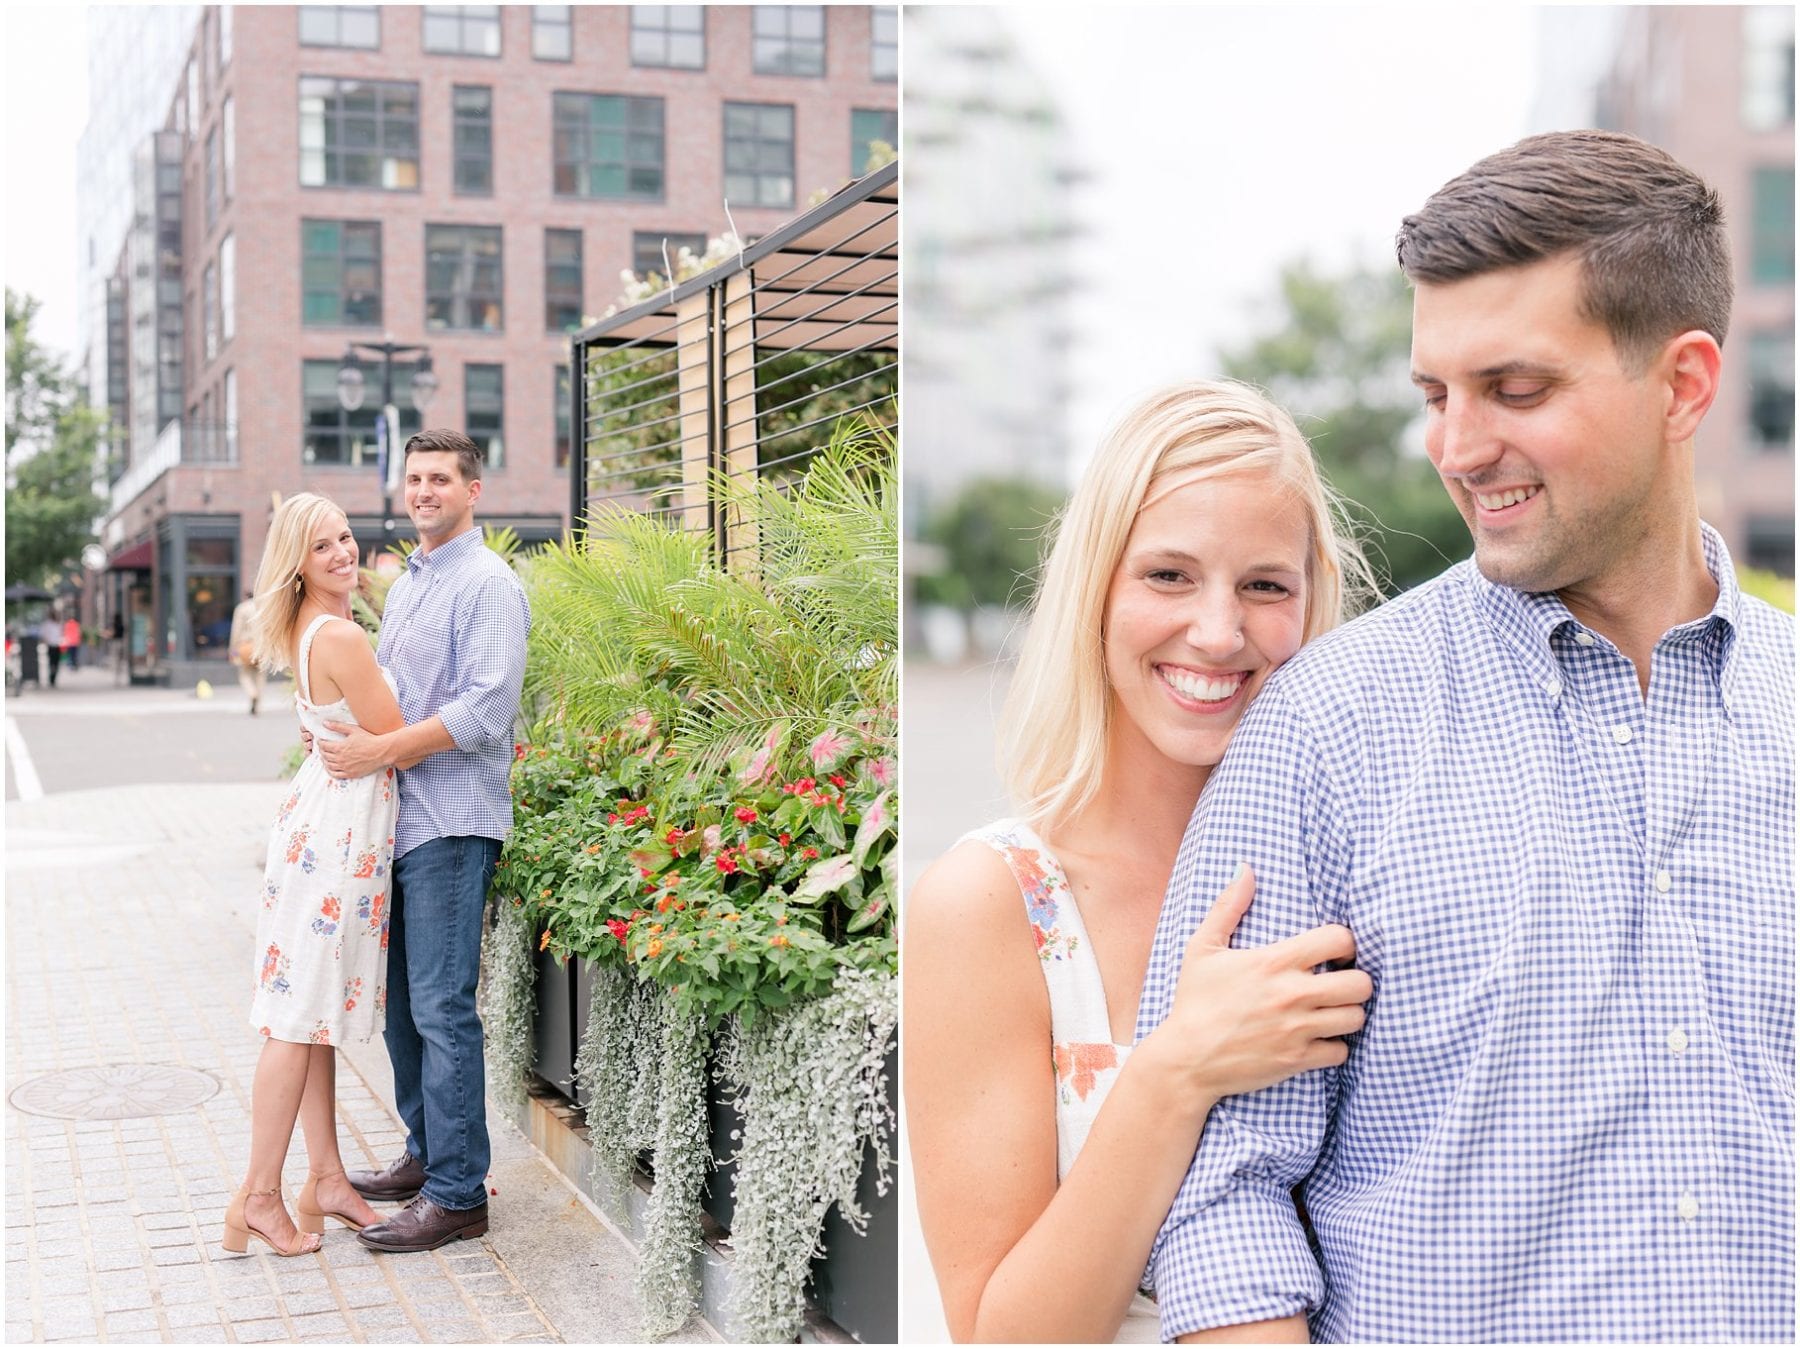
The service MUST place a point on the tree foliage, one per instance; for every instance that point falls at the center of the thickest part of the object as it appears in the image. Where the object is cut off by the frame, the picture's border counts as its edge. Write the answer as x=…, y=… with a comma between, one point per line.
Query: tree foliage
x=992, y=535
x=52, y=444
x=1337, y=356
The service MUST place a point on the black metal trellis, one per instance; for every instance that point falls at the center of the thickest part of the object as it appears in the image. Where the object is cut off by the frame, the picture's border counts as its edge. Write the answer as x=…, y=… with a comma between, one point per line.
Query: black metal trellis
x=744, y=369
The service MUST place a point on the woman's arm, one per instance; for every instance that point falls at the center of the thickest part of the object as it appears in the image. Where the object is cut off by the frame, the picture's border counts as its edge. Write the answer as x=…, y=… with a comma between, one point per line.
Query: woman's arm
x=343, y=665
x=1018, y=1257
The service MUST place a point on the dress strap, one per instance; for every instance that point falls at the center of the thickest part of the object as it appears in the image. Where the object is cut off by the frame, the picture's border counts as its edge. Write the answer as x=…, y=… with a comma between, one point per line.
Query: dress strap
x=306, y=641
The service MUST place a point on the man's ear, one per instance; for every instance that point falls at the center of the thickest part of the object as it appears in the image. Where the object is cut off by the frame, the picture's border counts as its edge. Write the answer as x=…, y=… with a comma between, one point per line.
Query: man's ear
x=474, y=490
x=1689, y=368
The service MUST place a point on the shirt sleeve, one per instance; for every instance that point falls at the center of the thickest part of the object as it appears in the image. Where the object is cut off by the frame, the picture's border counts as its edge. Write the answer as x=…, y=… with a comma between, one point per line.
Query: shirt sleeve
x=491, y=637
x=1232, y=1250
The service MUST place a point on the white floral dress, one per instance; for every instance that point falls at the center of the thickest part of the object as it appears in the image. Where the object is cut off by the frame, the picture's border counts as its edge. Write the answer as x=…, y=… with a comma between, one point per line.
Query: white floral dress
x=1082, y=1051
x=322, y=933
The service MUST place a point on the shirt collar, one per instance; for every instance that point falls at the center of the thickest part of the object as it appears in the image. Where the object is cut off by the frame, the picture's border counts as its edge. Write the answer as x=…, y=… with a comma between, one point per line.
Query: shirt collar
x=1530, y=618
x=445, y=553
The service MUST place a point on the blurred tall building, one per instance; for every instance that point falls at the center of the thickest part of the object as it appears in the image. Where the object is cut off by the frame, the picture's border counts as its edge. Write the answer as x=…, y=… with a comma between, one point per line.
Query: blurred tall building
x=988, y=220
x=331, y=208
x=1714, y=86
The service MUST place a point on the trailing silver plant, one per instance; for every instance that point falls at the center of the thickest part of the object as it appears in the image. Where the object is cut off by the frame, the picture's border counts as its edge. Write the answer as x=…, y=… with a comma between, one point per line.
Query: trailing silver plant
x=668, y=1280
x=812, y=1085
x=616, y=1066
x=508, y=1002
x=642, y=1064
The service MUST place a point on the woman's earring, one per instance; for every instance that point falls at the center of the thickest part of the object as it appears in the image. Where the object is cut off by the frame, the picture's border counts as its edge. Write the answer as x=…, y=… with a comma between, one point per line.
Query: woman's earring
x=299, y=585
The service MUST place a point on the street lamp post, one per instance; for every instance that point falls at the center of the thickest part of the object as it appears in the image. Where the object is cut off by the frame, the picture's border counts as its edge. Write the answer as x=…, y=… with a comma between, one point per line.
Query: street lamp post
x=350, y=397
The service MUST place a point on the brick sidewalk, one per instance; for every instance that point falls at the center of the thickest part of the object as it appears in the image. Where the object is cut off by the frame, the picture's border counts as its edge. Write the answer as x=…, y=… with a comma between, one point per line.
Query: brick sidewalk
x=130, y=924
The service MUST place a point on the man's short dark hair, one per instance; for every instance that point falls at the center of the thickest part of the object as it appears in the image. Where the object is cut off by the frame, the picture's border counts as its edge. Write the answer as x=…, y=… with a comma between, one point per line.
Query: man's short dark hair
x=1655, y=260
x=441, y=439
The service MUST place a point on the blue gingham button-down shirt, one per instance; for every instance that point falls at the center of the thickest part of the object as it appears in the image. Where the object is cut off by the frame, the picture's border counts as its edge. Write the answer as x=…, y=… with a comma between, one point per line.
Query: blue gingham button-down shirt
x=453, y=635
x=1570, y=1115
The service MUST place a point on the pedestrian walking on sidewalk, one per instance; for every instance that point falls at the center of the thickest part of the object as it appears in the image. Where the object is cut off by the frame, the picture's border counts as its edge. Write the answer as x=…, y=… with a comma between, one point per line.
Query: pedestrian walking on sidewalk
x=453, y=636
x=71, y=641
x=50, y=633
x=322, y=932
x=242, y=652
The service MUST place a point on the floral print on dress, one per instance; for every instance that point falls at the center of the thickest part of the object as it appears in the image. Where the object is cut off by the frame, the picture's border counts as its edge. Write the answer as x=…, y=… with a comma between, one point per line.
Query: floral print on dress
x=1079, y=1065
x=323, y=914
x=1043, y=888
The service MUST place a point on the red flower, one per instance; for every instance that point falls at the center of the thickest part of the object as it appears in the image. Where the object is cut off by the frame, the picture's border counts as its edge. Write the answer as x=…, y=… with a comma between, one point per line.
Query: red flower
x=809, y=853
x=745, y=815
x=726, y=863
x=519, y=751
x=619, y=928
x=612, y=817
x=836, y=780
x=784, y=839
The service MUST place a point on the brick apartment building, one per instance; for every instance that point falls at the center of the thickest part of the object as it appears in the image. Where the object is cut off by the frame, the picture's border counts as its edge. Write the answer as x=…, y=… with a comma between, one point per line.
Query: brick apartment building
x=468, y=179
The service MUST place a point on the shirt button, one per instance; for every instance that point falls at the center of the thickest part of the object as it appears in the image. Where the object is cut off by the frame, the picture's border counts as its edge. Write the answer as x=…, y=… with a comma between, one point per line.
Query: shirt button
x=1622, y=734
x=1663, y=882
x=1677, y=1041
x=1553, y=686
x=1687, y=1208
x=1584, y=639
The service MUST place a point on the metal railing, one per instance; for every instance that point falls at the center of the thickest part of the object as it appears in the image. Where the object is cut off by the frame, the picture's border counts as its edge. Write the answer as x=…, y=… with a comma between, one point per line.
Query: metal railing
x=746, y=368
x=186, y=441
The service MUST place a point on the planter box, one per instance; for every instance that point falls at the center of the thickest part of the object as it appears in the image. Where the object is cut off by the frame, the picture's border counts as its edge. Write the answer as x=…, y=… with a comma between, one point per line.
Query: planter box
x=723, y=1119
x=853, y=1281
x=553, y=1030
x=583, y=994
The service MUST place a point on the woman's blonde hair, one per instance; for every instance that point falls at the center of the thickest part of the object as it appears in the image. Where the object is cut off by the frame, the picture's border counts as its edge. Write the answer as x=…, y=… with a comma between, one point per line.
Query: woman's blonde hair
x=1053, y=732
x=278, y=595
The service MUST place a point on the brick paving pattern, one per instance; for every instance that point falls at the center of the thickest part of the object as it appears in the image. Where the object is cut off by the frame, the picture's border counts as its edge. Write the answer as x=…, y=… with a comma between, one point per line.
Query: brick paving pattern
x=129, y=930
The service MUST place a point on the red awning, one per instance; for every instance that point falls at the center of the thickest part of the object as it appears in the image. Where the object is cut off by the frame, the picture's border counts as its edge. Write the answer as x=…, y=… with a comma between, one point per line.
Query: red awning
x=132, y=559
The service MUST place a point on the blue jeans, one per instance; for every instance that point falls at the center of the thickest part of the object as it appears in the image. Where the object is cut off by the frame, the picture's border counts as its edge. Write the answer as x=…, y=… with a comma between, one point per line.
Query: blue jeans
x=433, y=1031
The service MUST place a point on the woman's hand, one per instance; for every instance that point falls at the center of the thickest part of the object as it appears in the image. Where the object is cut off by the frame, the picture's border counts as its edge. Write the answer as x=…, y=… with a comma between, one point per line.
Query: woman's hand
x=1246, y=1019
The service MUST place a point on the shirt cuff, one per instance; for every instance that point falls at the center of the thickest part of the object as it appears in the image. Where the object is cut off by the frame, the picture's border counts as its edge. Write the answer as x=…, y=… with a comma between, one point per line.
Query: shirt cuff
x=468, y=733
x=1242, y=1259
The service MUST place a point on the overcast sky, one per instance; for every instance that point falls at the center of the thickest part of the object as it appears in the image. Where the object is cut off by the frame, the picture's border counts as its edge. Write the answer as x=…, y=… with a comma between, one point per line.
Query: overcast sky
x=1225, y=141
x=46, y=107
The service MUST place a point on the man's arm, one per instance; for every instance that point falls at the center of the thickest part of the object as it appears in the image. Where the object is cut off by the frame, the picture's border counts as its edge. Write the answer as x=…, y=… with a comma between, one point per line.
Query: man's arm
x=1232, y=1258
x=493, y=636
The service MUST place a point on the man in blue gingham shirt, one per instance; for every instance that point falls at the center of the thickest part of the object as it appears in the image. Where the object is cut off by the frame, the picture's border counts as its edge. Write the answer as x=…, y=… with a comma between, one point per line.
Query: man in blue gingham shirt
x=1551, y=794
x=453, y=636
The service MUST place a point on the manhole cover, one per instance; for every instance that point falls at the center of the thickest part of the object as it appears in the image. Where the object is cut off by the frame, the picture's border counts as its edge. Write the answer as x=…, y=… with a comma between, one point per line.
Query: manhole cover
x=114, y=1091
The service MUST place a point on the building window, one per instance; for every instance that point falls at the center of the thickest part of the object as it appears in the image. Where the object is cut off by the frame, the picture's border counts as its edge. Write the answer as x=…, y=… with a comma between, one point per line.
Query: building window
x=552, y=33
x=227, y=288
x=868, y=125
x=562, y=280
x=224, y=36
x=472, y=108
x=231, y=412
x=228, y=147
x=359, y=133
x=212, y=591
x=1767, y=94
x=759, y=154
x=608, y=145
x=334, y=436
x=1772, y=225
x=463, y=30
x=787, y=39
x=484, y=410
x=341, y=272
x=340, y=26
x=463, y=277
x=1771, y=362
x=669, y=35
x=212, y=177
x=647, y=252
x=210, y=290
x=884, y=42
x=1769, y=543
x=559, y=399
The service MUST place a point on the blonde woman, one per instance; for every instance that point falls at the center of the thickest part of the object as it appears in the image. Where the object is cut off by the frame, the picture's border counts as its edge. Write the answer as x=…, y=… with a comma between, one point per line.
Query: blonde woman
x=1198, y=554
x=321, y=936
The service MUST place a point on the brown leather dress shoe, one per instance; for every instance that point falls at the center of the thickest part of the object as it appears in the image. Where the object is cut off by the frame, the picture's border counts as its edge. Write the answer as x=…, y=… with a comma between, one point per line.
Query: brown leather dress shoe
x=399, y=1180
x=424, y=1226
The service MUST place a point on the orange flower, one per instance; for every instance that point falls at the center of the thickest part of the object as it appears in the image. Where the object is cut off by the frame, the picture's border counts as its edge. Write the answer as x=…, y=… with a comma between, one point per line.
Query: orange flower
x=779, y=939
x=544, y=893
x=653, y=949
x=544, y=941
